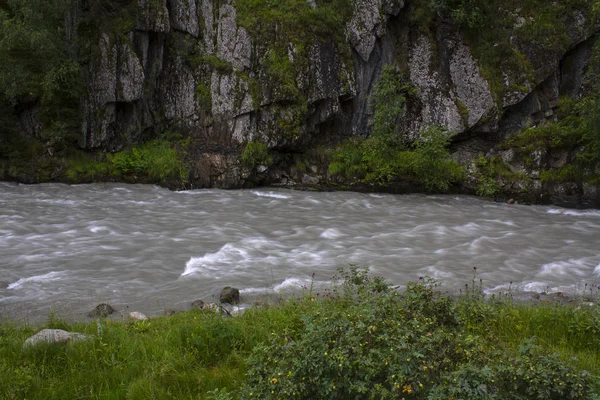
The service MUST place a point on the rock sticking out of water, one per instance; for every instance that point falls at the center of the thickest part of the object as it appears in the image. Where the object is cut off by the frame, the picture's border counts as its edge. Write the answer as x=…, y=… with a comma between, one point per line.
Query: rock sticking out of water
x=138, y=316
x=102, y=310
x=229, y=295
x=55, y=336
x=199, y=304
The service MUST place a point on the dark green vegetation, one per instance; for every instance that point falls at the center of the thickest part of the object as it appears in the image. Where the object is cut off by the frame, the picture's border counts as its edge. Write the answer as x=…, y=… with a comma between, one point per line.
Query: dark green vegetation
x=575, y=135
x=496, y=33
x=256, y=153
x=360, y=339
x=385, y=156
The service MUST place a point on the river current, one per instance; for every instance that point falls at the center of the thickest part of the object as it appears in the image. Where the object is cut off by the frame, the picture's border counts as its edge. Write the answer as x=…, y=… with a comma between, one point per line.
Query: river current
x=145, y=248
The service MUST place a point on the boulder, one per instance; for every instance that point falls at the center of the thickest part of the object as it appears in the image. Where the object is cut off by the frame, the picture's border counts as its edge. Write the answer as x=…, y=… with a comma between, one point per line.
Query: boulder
x=229, y=295
x=55, y=336
x=199, y=304
x=138, y=316
x=102, y=310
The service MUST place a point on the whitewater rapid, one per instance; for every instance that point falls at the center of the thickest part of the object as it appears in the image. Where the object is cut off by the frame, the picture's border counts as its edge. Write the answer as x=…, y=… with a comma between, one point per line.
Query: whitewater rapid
x=144, y=248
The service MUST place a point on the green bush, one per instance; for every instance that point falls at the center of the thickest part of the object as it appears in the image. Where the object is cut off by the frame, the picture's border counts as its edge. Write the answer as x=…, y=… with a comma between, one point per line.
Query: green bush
x=427, y=161
x=385, y=156
x=156, y=160
x=256, y=153
x=365, y=340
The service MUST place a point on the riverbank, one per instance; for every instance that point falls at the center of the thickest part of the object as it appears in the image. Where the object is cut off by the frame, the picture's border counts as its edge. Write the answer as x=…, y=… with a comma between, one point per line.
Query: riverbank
x=358, y=339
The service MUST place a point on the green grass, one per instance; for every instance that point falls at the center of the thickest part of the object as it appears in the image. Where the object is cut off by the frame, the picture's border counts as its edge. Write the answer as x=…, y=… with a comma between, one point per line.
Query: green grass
x=359, y=334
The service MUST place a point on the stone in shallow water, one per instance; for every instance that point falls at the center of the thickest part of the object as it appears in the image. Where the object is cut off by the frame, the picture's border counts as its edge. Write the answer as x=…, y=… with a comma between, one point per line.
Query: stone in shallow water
x=229, y=295
x=198, y=304
x=55, y=336
x=101, y=310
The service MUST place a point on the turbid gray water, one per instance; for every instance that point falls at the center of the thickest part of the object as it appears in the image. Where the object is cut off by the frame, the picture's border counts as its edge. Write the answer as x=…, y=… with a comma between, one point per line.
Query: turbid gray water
x=144, y=248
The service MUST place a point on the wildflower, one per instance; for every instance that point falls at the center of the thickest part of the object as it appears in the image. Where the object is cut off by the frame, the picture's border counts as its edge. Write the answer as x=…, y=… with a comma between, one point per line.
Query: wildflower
x=407, y=389
x=274, y=381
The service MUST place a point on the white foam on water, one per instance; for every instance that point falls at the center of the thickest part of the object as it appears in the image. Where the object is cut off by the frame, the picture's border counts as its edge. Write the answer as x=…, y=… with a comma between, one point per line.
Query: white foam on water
x=498, y=221
x=577, y=266
x=437, y=273
x=258, y=290
x=331, y=233
x=195, y=191
x=214, y=262
x=270, y=194
x=536, y=287
x=230, y=256
x=50, y=276
x=467, y=229
x=100, y=228
x=577, y=213
x=59, y=202
x=108, y=247
x=292, y=283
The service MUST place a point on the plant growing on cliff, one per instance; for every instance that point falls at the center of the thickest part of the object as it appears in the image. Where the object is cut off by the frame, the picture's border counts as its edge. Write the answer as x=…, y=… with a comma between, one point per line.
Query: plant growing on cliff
x=392, y=92
x=386, y=155
x=254, y=154
x=157, y=160
x=577, y=131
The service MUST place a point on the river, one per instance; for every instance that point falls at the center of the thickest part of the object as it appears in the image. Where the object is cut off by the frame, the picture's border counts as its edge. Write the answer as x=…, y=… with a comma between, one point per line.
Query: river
x=144, y=248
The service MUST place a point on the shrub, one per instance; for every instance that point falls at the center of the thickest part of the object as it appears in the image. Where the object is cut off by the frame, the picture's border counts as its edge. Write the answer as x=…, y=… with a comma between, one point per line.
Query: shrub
x=365, y=340
x=376, y=160
x=256, y=153
x=156, y=160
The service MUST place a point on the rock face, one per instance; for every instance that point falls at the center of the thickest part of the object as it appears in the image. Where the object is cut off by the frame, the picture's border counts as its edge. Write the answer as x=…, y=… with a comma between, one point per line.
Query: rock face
x=55, y=336
x=196, y=67
x=229, y=295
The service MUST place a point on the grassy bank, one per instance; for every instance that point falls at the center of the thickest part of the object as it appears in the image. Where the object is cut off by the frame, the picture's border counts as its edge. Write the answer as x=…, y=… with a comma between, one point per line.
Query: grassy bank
x=358, y=340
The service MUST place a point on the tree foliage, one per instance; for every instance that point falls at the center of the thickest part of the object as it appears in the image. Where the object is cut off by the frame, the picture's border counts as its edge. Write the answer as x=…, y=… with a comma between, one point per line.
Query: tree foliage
x=386, y=155
x=38, y=63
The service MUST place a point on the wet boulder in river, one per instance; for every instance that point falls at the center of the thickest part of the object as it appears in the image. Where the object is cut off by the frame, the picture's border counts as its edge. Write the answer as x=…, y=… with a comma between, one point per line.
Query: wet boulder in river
x=229, y=295
x=101, y=310
x=199, y=304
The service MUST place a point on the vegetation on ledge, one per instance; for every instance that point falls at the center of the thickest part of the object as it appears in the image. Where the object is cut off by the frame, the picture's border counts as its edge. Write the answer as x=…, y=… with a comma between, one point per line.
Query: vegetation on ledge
x=361, y=339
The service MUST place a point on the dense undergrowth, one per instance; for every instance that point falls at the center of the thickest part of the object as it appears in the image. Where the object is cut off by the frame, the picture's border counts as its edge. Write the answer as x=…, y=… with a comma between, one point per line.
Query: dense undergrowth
x=359, y=339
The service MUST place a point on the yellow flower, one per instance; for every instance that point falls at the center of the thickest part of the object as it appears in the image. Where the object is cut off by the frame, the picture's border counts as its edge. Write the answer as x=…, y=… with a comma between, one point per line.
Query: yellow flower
x=274, y=381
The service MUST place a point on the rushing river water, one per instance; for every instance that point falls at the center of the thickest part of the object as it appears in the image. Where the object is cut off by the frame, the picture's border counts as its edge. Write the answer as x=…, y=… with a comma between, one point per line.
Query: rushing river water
x=144, y=248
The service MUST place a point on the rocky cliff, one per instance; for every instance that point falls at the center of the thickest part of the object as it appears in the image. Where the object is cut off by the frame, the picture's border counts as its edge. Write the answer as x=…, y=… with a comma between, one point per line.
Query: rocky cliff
x=299, y=77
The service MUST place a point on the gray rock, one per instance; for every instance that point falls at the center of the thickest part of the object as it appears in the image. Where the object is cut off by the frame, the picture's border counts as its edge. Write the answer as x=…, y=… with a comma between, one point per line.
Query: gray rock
x=153, y=16
x=438, y=106
x=233, y=42
x=198, y=304
x=138, y=316
x=131, y=75
x=229, y=295
x=101, y=310
x=184, y=16
x=309, y=180
x=55, y=336
x=470, y=87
